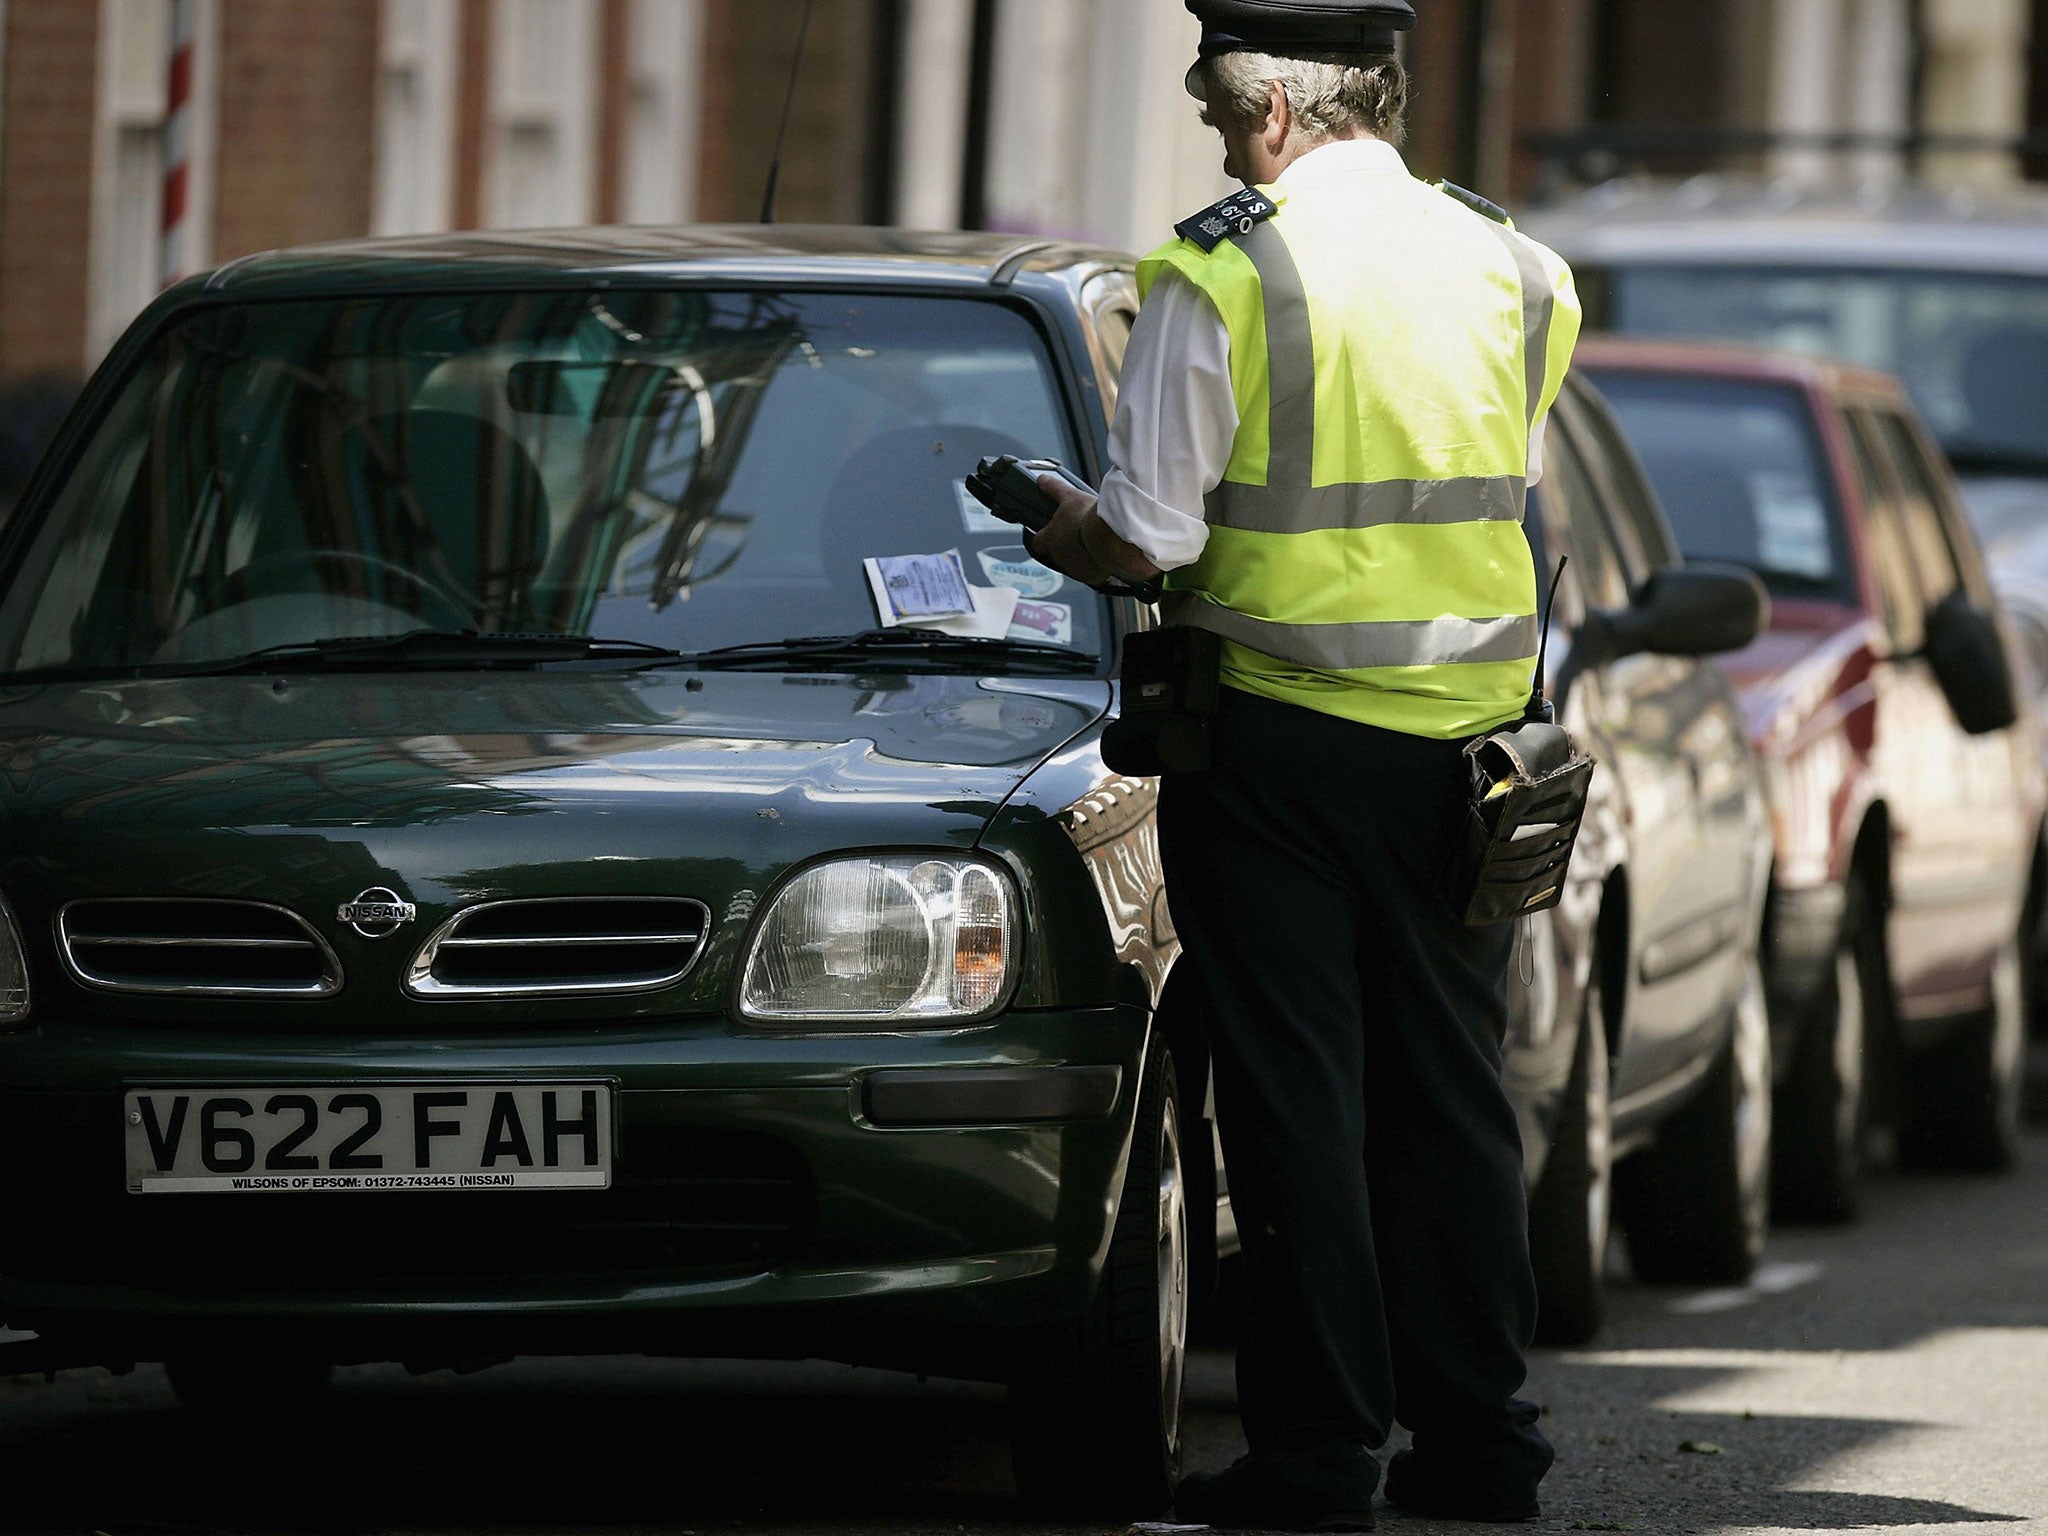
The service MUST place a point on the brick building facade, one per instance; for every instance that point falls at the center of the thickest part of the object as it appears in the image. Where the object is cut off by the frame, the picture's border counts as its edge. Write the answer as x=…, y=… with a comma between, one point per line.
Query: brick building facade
x=319, y=119
x=328, y=119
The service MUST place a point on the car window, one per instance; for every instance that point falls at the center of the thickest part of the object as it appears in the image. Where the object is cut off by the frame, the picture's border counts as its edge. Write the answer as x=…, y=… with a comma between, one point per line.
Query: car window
x=1884, y=538
x=688, y=468
x=1110, y=303
x=1113, y=329
x=1972, y=347
x=1645, y=536
x=1923, y=486
x=1574, y=525
x=1739, y=468
x=1927, y=547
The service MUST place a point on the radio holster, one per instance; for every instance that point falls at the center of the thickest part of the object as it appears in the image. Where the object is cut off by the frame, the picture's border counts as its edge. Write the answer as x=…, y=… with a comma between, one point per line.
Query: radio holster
x=1172, y=683
x=1528, y=786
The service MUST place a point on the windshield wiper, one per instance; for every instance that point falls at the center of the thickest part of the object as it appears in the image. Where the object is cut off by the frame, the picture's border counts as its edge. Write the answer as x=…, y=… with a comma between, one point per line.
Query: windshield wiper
x=902, y=647
x=436, y=648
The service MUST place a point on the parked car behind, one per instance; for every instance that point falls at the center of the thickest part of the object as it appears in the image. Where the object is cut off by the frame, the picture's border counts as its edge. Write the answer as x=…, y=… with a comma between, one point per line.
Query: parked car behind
x=479, y=882
x=1949, y=291
x=1641, y=1060
x=1906, y=777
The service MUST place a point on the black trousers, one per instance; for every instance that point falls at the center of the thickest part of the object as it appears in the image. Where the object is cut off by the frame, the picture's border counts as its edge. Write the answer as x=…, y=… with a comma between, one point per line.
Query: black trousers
x=1356, y=1024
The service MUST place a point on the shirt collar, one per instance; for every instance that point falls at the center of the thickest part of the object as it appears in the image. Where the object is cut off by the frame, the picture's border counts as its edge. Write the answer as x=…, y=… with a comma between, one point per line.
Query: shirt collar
x=1344, y=157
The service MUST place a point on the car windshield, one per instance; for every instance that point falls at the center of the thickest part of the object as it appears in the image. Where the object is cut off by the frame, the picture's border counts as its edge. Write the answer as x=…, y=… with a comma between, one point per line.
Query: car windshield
x=1741, y=474
x=685, y=469
x=1972, y=348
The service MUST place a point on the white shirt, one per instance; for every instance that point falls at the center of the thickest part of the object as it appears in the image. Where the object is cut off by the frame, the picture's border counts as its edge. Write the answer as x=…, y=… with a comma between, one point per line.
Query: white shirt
x=1176, y=415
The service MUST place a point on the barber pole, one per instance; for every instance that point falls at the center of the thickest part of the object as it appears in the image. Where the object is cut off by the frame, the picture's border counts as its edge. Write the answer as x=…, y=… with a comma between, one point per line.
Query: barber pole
x=177, y=143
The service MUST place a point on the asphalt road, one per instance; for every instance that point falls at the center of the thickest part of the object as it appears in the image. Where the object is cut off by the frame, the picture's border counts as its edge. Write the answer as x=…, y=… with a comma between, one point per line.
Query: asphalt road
x=1890, y=1374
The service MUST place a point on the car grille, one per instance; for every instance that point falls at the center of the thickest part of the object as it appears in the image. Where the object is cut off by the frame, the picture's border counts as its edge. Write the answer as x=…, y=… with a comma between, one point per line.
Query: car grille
x=199, y=946
x=685, y=1202
x=574, y=947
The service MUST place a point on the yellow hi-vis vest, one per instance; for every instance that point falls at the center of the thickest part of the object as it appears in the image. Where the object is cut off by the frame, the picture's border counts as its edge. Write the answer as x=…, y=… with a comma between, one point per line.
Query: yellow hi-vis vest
x=1390, y=351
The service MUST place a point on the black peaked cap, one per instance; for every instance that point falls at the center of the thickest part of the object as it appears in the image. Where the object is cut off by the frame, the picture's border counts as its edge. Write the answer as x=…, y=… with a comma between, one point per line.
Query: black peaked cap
x=1289, y=28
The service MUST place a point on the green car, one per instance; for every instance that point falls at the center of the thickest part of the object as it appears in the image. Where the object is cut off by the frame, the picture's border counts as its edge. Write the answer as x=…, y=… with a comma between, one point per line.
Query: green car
x=540, y=817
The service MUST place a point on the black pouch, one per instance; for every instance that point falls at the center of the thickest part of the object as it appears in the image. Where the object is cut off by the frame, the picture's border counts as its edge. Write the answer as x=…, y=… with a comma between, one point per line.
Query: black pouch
x=1528, y=784
x=1528, y=798
x=1172, y=683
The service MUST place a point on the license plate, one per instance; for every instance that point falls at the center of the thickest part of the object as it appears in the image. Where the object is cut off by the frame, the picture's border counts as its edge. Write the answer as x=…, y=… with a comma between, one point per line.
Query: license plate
x=351, y=1137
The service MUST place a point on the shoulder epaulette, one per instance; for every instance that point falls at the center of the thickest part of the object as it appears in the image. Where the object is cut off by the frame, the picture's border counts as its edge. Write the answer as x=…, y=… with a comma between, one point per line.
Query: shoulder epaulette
x=1476, y=203
x=1238, y=214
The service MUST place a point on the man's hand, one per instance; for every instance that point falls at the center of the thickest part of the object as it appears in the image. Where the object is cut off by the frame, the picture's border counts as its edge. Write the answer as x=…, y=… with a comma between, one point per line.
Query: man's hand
x=1059, y=544
x=1076, y=541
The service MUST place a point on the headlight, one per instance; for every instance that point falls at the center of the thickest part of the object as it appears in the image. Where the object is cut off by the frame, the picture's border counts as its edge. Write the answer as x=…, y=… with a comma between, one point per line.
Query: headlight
x=886, y=939
x=13, y=971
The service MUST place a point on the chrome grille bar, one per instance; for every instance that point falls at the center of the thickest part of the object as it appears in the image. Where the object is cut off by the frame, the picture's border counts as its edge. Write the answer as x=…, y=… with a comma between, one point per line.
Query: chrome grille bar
x=195, y=947
x=573, y=946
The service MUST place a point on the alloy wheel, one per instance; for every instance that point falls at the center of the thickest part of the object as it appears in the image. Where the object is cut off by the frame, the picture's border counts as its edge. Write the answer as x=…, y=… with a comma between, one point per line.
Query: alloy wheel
x=1752, y=1065
x=1599, y=1147
x=1173, y=1273
x=1848, y=1056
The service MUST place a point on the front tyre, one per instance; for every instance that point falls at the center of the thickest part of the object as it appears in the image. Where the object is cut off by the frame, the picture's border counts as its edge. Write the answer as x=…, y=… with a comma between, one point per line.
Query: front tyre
x=1696, y=1203
x=1095, y=1412
x=1961, y=1104
x=1822, y=1112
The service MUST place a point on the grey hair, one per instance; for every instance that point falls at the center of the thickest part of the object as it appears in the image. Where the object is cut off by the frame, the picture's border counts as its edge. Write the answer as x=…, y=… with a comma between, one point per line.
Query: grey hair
x=1331, y=95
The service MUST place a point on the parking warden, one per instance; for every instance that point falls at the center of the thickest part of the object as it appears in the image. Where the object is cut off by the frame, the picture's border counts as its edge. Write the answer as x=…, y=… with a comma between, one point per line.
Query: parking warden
x=1330, y=408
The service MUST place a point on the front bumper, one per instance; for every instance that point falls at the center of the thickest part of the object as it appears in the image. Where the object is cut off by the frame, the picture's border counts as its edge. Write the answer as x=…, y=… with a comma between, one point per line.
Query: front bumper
x=773, y=1195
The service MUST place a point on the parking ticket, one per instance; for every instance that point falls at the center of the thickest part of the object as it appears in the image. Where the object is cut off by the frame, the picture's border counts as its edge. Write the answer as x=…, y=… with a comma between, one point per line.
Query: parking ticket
x=924, y=586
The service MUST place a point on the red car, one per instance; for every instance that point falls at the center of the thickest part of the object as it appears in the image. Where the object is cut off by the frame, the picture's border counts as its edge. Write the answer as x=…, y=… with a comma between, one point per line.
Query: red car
x=1904, y=769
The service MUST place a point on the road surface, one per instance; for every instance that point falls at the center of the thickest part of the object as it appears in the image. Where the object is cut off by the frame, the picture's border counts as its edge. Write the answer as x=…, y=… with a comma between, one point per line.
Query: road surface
x=1890, y=1374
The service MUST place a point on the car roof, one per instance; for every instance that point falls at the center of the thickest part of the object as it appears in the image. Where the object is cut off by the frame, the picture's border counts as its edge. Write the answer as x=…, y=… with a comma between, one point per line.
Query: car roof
x=813, y=255
x=1718, y=360
x=1719, y=220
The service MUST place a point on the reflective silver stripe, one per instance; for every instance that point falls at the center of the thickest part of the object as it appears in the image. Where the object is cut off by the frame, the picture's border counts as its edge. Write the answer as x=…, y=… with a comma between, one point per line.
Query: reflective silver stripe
x=1262, y=509
x=1539, y=300
x=1353, y=647
x=1290, y=364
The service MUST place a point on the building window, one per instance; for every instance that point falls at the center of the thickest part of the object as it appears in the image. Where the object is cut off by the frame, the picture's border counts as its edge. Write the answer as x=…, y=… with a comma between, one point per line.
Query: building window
x=542, y=166
x=416, y=93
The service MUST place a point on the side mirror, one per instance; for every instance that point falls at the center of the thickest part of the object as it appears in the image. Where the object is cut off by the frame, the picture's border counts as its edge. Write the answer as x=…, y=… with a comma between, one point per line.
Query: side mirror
x=1691, y=610
x=1968, y=656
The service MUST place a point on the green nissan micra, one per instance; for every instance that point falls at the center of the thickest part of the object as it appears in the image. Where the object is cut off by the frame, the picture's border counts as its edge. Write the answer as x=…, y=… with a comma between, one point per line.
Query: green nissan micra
x=506, y=852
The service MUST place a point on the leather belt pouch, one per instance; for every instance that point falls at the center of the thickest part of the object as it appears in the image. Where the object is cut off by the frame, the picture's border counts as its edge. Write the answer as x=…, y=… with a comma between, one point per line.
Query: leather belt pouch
x=1529, y=784
x=1172, y=682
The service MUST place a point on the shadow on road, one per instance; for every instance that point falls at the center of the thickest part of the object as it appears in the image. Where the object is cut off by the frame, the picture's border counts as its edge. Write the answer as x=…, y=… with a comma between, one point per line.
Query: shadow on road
x=573, y=1446
x=1679, y=1421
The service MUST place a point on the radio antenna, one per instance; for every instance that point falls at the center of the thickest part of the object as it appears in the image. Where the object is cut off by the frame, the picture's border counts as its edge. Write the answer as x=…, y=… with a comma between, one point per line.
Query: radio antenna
x=795, y=68
x=1539, y=706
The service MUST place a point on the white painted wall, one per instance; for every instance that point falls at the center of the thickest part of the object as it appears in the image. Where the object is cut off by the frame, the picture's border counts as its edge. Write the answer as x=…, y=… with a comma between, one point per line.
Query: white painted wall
x=931, y=132
x=1880, y=84
x=418, y=82
x=540, y=162
x=1976, y=82
x=664, y=111
x=1806, y=73
x=1092, y=134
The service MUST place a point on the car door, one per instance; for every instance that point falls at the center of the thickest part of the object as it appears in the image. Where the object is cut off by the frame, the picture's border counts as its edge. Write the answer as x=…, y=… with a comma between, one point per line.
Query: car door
x=1960, y=849
x=1634, y=714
